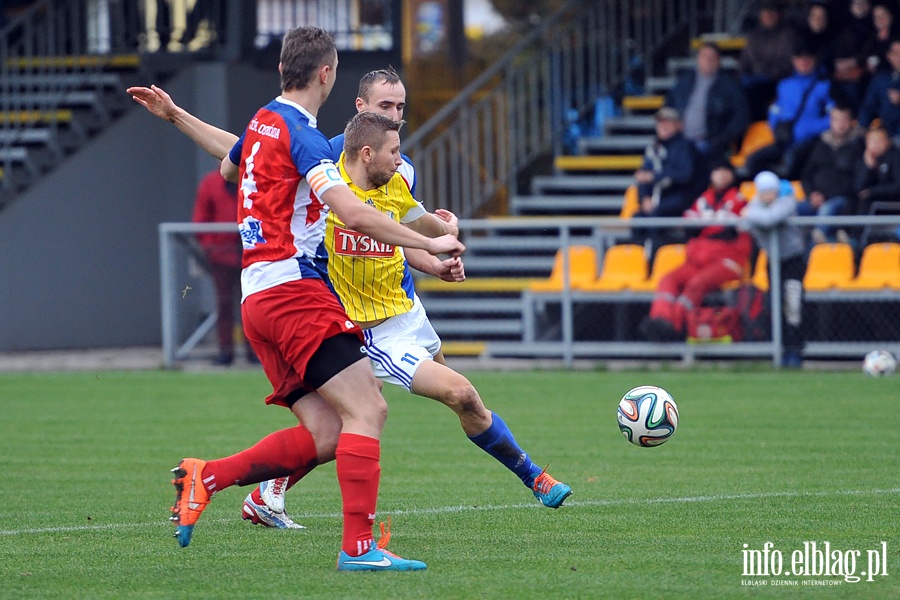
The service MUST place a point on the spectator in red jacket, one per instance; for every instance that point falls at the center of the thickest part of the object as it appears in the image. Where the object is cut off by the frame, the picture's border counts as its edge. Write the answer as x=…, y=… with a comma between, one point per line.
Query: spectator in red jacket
x=717, y=255
x=216, y=202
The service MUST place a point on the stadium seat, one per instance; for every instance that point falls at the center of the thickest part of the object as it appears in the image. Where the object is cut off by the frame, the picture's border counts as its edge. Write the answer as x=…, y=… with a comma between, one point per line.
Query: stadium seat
x=761, y=272
x=582, y=270
x=830, y=266
x=630, y=204
x=758, y=135
x=748, y=190
x=667, y=259
x=624, y=267
x=879, y=268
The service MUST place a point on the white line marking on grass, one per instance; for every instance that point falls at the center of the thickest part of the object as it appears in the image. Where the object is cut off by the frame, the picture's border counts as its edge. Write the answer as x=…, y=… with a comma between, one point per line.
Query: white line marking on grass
x=469, y=508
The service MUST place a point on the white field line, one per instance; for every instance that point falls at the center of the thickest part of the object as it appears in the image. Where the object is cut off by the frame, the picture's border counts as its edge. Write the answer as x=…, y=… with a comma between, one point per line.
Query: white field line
x=468, y=508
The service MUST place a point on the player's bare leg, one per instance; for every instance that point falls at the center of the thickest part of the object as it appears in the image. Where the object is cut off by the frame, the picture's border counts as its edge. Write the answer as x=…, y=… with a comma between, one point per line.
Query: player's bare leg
x=486, y=429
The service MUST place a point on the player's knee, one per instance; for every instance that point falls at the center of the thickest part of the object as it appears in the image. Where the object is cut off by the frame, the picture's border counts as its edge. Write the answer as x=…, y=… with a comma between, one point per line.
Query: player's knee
x=463, y=398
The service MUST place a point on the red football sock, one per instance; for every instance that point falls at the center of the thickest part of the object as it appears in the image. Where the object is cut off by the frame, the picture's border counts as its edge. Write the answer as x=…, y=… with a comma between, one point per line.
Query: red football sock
x=358, y=472
x=276, y=455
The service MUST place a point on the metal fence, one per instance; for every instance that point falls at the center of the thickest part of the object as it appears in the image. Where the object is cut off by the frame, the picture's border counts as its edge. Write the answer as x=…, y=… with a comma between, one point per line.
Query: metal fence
x=571, y=323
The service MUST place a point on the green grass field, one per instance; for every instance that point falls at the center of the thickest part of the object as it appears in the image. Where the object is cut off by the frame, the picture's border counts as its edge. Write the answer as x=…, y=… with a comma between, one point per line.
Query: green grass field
x=759, y=457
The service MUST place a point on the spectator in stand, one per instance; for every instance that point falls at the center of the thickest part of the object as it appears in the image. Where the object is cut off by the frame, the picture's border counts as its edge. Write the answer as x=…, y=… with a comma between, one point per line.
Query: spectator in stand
x=818, y=33
x=877, y=177
x=798, y=115
x=828, y=173
x=849, y=79
x=713, y=107
x=858, y=31
x=885, y=22
x=216, y=202
x=717, y=255
x=766, y=57
x=666, y=179
x=765, y=215
x=882, y=99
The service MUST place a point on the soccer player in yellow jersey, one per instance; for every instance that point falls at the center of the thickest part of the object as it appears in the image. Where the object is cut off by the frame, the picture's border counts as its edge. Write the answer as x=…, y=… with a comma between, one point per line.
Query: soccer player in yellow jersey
x=403, y=347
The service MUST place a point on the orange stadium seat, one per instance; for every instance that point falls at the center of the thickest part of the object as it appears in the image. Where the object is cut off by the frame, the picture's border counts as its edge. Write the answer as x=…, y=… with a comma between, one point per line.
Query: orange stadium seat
x=761, y=272
x=582, y=270
x=667, y=259
x=830, y=266
x=748, y=190
x=630, y=204
x=624, y=267
x=758, y=135
x=879, y=268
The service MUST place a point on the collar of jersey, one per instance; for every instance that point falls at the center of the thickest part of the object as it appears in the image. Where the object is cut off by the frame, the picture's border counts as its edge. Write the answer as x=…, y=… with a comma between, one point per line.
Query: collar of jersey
x=312, y=120
x=368, y=193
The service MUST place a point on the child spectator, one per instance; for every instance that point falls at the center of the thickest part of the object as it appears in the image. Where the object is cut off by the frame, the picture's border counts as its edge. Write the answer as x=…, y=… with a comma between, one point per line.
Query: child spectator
x=828, y=173
x=717, y=255
x=765, y=215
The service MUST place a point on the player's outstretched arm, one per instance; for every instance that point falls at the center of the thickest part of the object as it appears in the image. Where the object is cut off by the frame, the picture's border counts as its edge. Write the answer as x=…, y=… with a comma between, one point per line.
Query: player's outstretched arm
x=213, y=140
x=434, y=225
x=365, y=219
x=451, y=269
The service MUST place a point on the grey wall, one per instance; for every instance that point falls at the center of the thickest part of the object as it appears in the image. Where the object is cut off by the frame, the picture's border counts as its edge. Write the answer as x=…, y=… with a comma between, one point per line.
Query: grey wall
x=80, y=252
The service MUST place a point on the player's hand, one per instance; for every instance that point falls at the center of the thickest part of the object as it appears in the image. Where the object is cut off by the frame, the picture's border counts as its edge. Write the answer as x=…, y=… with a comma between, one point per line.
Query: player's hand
x=450, y=219
x=446, y=244
x=451, y=270
x=156, y=100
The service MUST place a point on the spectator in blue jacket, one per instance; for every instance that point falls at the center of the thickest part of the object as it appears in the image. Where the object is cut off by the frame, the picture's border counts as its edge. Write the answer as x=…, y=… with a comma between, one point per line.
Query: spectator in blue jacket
x=713, y=107
x=799, y=114
x=882, y=99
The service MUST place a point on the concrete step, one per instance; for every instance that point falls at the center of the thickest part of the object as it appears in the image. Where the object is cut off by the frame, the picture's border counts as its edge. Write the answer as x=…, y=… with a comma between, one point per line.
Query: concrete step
x=63, y=81
x=659, y=85
x=614, y=143
x=565, y=204
x=513, y=265
x=445, y=306
x=515, y=243
x=477, y=327
x=545, y=184
x=631, y=123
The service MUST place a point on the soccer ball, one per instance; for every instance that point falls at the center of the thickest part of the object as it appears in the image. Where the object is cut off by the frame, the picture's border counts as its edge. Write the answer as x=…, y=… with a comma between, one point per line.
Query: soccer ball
x=879, y=362
x=647, y=416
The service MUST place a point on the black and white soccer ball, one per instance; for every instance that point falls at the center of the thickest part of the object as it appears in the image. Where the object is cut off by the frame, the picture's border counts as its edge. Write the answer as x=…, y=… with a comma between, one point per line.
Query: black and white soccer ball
x=648, y=416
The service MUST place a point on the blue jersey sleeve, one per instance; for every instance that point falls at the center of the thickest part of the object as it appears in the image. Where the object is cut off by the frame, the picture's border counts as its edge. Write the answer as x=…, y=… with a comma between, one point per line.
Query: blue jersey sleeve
x=337, y=146
x=411, y=174
x=235, y=155
x=309, y=149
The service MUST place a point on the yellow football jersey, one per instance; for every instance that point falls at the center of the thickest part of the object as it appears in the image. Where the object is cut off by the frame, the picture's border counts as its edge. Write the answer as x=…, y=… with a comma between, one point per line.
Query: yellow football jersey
x=372, y=279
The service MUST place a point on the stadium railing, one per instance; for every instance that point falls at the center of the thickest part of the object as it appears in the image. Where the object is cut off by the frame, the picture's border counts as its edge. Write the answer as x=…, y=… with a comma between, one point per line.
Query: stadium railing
x=568, y=320
x=470, y=153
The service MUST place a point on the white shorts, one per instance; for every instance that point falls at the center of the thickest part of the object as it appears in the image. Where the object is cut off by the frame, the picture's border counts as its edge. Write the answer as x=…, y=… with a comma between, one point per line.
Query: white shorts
x=399, y=345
